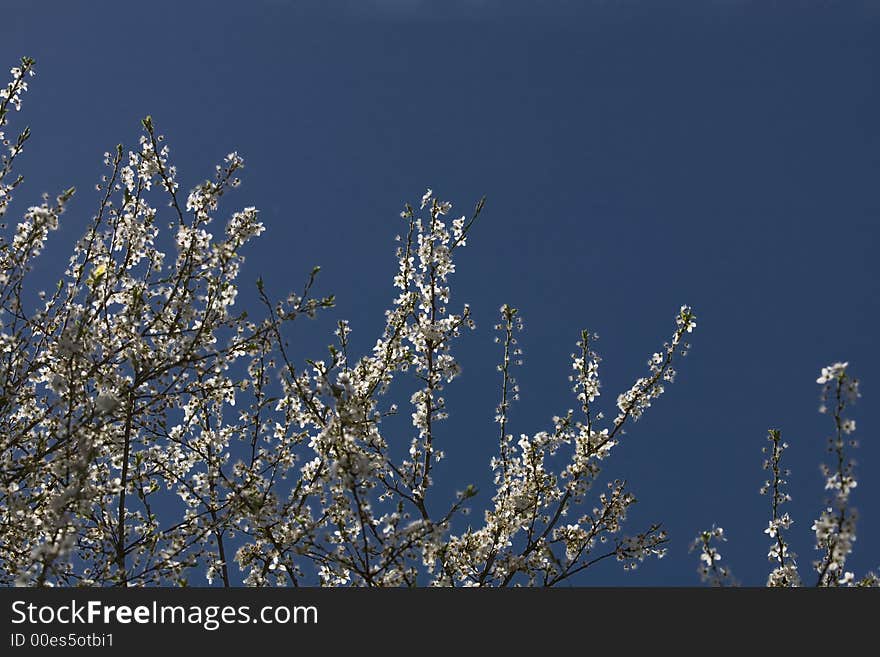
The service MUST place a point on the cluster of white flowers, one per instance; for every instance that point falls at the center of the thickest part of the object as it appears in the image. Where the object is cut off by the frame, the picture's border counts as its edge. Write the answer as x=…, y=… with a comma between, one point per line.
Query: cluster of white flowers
x=711, y=572
x=634, y=401
x=10, y=98
x=523, y=538
x=150, y=433
x=137, y=388
x=836, y=525
x=117, y=390
x=785, y=574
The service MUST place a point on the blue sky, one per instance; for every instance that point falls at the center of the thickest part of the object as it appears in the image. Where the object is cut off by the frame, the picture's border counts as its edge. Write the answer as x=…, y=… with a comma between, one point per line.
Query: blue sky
x=635, y=156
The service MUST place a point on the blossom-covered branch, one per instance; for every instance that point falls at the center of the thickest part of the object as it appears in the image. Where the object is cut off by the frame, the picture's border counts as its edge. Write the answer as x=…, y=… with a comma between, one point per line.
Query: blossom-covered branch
x=152, y=434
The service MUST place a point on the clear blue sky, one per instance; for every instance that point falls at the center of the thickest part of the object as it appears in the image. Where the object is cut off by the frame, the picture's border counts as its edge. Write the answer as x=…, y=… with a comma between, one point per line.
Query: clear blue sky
x=635, y=155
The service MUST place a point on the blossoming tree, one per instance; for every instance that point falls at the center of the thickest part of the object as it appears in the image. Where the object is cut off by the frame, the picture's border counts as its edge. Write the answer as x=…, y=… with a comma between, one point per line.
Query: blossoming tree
x=118, y=393
x=151, y=434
